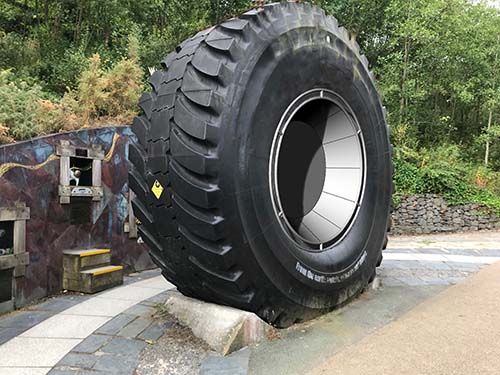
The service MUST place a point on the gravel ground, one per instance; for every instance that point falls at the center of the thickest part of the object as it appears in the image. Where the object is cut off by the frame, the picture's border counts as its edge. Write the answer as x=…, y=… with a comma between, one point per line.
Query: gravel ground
x=177, y=352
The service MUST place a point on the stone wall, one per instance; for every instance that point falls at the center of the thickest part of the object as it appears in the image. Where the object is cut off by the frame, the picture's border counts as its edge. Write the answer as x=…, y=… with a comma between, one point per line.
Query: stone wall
x=430, y=213
x=30, y=175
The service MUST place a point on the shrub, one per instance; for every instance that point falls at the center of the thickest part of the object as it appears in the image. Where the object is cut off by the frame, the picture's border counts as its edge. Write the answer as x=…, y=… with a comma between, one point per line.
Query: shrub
x=90, y=93
x=124, y=84
x=18, y=107
x=442, y=171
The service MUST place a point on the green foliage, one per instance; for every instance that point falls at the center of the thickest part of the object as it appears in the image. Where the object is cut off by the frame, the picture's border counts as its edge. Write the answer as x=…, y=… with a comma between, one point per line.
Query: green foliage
x=443, y=171
x=66, y=64
x=18, y=107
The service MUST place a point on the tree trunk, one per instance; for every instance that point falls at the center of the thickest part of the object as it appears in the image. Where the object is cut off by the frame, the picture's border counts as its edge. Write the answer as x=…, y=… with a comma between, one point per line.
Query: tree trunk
x=487, y=151
x=403, y=81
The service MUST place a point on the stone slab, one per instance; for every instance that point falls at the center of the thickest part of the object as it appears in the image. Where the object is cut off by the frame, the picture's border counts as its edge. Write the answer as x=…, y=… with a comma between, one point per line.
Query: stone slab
x=235, y=364
x=92, y=344
x=123, y=346
x=116, y=324
x=24, y=371
x=135, y=328
x=224, y=329
x=100, y=307
x=66, y=326
x=34, y=352
x=132, y=293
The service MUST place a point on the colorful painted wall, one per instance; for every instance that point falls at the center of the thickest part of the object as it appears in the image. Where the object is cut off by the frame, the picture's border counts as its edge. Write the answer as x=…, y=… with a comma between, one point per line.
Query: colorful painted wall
x=29, y=174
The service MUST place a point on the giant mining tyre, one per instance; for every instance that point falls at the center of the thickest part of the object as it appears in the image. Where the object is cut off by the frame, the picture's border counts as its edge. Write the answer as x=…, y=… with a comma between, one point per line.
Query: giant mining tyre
x=262, y=172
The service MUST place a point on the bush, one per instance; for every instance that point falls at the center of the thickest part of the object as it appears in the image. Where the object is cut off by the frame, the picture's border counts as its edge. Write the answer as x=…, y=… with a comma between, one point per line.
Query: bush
x=18, y=107
x=101, y=97
x=442, y=171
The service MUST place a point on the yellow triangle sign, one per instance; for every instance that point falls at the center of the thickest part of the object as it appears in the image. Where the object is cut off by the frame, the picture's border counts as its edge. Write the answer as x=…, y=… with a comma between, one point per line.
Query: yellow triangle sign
x=157, y=189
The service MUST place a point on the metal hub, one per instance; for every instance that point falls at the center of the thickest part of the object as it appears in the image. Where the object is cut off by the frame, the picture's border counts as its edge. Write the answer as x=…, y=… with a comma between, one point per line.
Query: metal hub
x=317, y=169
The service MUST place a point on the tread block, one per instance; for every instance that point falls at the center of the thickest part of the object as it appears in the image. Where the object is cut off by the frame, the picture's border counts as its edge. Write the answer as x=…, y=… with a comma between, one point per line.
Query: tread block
x=140, y=129
x=157, y=78
x=141, y=212
x=219, y=255
x=165, y=220
x=157, y=156
x=199, y=90
x=233, y=281
x=167, y=94
x=138, y=185
x=160, y=124
x=137, y=157
x=206, y=63
x=178, y=67
x=191, y=156
x=235, y=24
x=194, y=124
x=167, y=60
x=205, y=224
x=241, y=300
x=218, y=40
x=192, y=189
x=146, y=104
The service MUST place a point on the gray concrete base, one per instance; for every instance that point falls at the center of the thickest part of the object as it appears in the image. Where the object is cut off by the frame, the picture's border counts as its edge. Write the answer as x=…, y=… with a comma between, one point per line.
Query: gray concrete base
x=6, y=306
x=224, y=329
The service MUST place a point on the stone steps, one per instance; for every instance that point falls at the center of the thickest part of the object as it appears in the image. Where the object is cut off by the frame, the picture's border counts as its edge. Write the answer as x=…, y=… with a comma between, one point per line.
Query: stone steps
x=89, y=270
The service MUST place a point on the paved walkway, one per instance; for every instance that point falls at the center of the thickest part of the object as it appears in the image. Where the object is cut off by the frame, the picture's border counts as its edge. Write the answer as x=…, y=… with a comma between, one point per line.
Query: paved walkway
x=455, y=332
x=414, y=270
x=116, y=332
x=45, y=345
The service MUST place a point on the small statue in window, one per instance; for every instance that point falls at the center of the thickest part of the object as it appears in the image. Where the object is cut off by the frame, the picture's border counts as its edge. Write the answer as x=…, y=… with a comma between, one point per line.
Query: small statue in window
x=74, y=175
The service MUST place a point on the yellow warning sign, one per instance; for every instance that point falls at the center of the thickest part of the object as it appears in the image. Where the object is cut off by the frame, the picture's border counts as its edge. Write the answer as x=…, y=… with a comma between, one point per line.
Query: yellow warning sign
x=157, y=189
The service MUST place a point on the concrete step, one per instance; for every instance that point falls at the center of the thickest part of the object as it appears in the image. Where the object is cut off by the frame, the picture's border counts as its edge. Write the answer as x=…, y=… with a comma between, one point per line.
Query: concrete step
x=75, y=261
x=94, y=280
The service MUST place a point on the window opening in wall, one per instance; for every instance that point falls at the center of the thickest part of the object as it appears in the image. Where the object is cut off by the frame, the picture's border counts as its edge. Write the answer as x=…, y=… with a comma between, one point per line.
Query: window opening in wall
x=6, y=237
x=80, y=171
x=80, y=210
x=6, y=285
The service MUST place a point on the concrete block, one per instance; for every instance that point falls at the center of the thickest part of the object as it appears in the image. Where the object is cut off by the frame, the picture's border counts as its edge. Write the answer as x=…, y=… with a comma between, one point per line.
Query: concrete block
x=95, y=280
x=224, y=329
x=75, y=261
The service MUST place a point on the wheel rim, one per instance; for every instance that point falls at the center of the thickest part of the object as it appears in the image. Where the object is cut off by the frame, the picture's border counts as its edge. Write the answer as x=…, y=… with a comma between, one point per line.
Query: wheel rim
x=317, y=169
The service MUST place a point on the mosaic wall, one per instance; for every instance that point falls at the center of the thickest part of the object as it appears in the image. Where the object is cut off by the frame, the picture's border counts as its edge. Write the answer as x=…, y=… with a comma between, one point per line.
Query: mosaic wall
x=29, y=174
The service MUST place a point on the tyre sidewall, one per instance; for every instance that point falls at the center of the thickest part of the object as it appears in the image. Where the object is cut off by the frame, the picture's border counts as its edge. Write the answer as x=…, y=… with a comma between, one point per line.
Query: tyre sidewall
x=275, y=82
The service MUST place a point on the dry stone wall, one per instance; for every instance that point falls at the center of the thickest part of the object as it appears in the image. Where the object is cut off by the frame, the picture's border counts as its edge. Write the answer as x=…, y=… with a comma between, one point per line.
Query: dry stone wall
x=430, y=213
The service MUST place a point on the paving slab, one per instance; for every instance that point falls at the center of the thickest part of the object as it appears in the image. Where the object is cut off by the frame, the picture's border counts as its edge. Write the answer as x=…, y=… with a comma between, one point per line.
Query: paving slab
x=67, y=326
x=116, y=324
x=34, y=352
x=24, y=371
x=49, y=336
x=100, y=307
x=91, y=344
x=136, y=327
x=132, y=293
x=235, y=364
x=59, y=303
x=123, y=346
x=78, y=360
x=9, y=333
x=155, y=331
x=24, y=319
x=111, y=364
x=140, y=309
